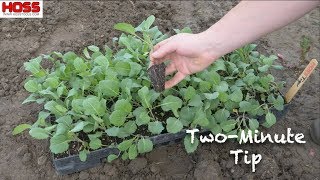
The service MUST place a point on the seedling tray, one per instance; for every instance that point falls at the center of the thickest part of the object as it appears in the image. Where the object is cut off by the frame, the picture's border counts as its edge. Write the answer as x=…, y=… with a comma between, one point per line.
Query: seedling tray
x=72, y=164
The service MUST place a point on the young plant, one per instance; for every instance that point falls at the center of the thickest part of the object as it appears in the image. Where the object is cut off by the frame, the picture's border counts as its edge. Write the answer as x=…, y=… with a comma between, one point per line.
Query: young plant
x=104, y=98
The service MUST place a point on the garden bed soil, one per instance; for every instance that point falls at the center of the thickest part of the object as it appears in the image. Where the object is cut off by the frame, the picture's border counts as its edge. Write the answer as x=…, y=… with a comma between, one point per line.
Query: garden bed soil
x=91, y=22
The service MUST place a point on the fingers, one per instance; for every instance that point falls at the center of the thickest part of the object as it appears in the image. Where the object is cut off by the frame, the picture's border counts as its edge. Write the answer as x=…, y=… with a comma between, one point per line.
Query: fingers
x=171, y=68
x=151, y=59
x=162, y=50
x=175, y=80
x=157, y=46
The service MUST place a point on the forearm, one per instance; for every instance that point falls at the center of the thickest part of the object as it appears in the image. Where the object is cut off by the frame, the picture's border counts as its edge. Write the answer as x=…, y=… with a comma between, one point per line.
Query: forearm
x=250, y=20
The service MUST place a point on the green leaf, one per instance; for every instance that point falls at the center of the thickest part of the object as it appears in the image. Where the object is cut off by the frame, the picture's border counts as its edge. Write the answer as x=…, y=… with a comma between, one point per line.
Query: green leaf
x=49, y=92
x=123, y=133
x=112, y=157
x=92, y=105
x=95, y=143
x=124, y=155
x=80, y=65
x=83, y=155
x=223, y=97
x=195, y=101
x=109, y=88
x=79, y=126
x=113, y=131
x=97, y=119
x=230, y=105
x=269, y=60
x=125, y=27
x=124, y=145
x=250, y=78
x=38, y=133
x=171, y=103
x=277, y=67
x=216, y=129
x=135, y=69
x=144, y=145
x=123, y=105
x=200, y=118
x=211, y=96
x=219, y=65
x=253, y=124
x=221, y=115
x=271, y=98
x=102, y=61
x=155, y=127
x=118, y=118
x=252, y=47
x=270, y=120
x=133, y=151
x=59, y=144
x=190, y=147
x=174, y=125
x=34, y=67
x=60, y=91
x=278, y=103
x=50, y=128
x=186, y=115
x=213, y=77
x=55, y=108
x=93, y=48
x=190, y=93
x=149, y=22
x=222, y=87
x=31, y=98
x=142, y=118
x=32, y=86
x=69, y=57
x=123, y=68
x=65, y=120
x=62, y=128
x=52, y=82
x=245, y=106
x=96, y=135
x=236, y=96
x=77, y=105
x=205, y=86
x=86, y=53
x=20, y=128
x=145, y=97
x=186, y=30
x=138, y=111
x=228, y=125
x=130, y=127
x=263, y=68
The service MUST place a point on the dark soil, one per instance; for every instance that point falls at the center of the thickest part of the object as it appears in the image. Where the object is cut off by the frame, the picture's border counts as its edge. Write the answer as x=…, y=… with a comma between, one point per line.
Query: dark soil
x=157, y=76
x=72, y=25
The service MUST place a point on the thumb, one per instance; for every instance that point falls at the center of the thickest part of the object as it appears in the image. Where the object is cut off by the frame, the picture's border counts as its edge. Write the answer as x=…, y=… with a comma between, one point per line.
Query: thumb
x=164, y=50
x=175, y=80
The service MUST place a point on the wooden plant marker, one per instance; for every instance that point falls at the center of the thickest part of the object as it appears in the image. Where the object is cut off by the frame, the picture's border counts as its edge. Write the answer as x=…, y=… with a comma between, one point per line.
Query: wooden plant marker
x=300, y=81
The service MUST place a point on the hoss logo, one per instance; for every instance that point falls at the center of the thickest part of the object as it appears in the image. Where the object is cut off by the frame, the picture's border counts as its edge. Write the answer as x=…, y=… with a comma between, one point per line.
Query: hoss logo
x=21, y=7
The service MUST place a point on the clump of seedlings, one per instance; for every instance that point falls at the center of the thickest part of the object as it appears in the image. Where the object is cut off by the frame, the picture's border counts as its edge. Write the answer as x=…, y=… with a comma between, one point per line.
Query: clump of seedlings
x=104, y=97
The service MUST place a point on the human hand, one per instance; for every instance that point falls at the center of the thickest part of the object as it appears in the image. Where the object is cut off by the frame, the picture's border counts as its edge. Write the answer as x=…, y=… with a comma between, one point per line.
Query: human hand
x=188, y=53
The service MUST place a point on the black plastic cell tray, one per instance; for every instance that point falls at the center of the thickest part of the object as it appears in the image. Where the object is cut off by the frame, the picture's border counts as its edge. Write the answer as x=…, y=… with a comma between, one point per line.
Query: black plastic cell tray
x=72, y=164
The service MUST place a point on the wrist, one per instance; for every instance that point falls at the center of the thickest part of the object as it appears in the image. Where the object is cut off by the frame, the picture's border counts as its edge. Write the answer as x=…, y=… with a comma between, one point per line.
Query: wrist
x=212, y=44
